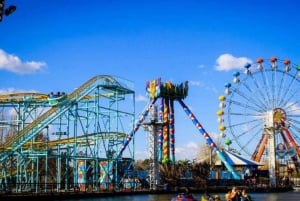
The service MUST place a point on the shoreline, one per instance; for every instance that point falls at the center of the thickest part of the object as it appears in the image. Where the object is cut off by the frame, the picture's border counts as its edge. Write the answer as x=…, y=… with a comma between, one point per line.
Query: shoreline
x=94, y=194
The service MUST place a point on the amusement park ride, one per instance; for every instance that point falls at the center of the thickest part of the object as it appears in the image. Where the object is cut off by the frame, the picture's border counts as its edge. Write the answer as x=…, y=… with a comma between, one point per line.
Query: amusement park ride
x=62, y=140
x=80, y=139
x=57, y=141
x=260, y=111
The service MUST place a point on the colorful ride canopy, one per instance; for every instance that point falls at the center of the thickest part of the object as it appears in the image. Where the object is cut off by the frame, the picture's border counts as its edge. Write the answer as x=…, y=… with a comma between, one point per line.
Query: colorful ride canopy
x=156, y=89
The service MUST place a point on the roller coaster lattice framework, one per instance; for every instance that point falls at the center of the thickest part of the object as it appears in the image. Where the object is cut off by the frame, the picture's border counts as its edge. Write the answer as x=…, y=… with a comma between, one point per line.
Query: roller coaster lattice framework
x=62, y=141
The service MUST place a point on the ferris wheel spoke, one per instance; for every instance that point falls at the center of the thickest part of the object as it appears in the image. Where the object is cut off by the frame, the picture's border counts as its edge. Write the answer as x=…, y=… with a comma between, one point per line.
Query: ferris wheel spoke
x=259, y=99
x=244, y=140
x=289, y=99
x=244, y=123
x=293, y=120
x=260, y=88
x=281, y=88
x=253, y=138
x=296, y=137
x=247, y=129
x=247, y=99
x=266, y=84
x=295, y=124
x=243, y=105
x=274, y=84
x=288, y=91
x=295, y=128
x=293, y=108
x=252, y=115
x=285, y=99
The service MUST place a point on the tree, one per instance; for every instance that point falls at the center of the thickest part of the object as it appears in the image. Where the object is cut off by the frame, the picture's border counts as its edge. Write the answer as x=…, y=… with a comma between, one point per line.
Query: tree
x=170, y=174
x=206, y=154
x=200, y=173
x=142, y=164
x=173, y=173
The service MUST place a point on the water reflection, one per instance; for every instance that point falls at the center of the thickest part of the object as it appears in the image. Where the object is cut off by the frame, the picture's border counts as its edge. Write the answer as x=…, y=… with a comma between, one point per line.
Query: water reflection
x=289, y=196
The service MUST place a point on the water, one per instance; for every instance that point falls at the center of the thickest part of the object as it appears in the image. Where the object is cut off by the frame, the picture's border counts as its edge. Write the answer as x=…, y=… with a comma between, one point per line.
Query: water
x=287, y=196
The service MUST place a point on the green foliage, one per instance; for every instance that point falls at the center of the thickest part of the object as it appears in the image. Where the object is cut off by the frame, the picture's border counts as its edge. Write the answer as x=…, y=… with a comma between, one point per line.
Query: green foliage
x=142, y=164
x=172, y=173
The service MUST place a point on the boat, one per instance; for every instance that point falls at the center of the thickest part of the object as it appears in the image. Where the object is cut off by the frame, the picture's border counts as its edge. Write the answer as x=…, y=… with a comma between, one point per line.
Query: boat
x=184, y=197
x=296, y=187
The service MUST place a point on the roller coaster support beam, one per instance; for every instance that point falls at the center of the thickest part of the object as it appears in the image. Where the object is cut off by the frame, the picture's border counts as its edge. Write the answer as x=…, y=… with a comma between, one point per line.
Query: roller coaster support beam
x=208, y=139
x=136, y=127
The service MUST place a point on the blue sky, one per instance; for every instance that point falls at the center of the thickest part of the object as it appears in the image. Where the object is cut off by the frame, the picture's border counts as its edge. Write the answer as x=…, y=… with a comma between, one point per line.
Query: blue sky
x=57, y=45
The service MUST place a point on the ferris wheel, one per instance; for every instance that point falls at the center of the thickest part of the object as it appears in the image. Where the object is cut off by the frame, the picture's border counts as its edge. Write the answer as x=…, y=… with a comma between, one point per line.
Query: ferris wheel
x=260, y=110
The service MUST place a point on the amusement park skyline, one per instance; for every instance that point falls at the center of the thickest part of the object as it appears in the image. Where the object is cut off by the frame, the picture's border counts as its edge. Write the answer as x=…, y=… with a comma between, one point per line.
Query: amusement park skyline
x=51, y=46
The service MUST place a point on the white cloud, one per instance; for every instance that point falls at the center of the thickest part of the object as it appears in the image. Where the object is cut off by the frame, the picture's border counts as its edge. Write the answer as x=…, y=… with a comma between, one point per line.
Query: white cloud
x=196, y=83
x=13, y=90
x=141, y=98
x=227, y=62
x=9, y=90
x=192, y=145
x=201, y=66
x=141, y=154
x=14, y=64
x=186, y=151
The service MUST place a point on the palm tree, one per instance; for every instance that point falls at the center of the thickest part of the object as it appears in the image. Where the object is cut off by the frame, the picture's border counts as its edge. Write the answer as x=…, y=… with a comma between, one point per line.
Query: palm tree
x=200, y=174
x=170, y=174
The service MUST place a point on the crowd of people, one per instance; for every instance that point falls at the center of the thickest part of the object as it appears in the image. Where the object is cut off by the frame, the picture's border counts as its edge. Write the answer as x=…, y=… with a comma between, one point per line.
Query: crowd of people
x=186, y=196
x=238, y=195
x=208, y=197
x=233, y=195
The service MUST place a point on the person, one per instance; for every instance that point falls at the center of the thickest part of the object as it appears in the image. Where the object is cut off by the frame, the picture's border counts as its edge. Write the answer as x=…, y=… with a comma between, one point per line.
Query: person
x=234, y=195
x=51, y=95
x=217, y=198
x=204, y=198
x=207, y=197
x=188, y=194
x=245, y=196
x=166, y=187
x=227, y=196
x=184, y=196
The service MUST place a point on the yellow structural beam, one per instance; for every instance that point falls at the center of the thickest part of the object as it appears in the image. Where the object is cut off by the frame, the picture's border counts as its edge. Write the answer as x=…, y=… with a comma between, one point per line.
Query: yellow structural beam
x=22, y=96
x=82, y=140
